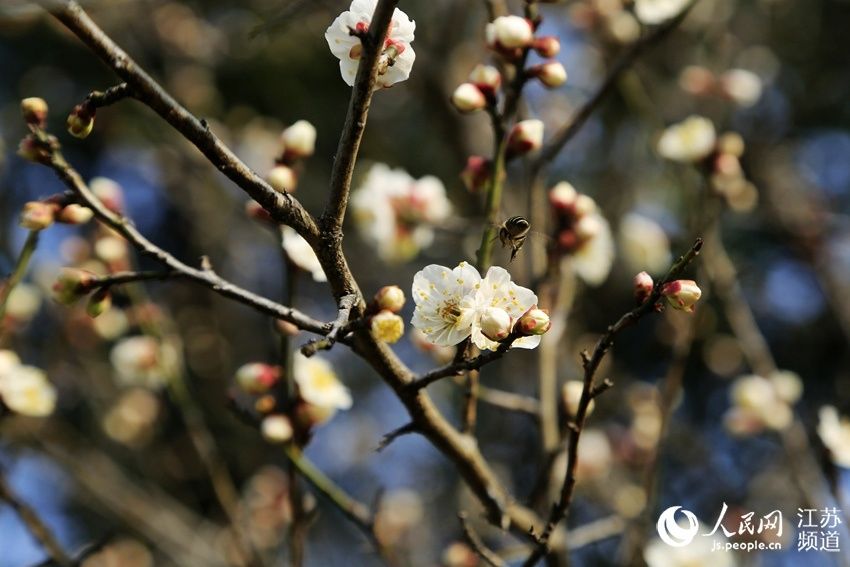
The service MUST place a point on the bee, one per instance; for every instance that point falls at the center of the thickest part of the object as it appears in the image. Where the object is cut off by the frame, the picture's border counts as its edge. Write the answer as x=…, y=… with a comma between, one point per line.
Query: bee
x=513, y=233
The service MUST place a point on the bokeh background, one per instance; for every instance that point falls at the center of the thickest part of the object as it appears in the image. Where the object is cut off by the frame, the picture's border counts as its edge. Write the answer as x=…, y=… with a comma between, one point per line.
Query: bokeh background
x=250, y=68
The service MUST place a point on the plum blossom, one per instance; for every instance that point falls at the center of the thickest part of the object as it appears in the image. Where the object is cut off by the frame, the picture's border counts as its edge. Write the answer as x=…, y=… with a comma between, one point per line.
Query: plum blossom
x=760, y=403
x=395, y=212
x=301, y=254
x=143, y=361
x=688, y=141
x=452, y=305
x=653, y=12
x=25, y=389
x=319, y=386
x=347, y=47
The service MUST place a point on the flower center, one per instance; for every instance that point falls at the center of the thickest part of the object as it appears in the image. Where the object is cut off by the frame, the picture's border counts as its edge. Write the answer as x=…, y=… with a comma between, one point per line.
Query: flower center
x=450, y=312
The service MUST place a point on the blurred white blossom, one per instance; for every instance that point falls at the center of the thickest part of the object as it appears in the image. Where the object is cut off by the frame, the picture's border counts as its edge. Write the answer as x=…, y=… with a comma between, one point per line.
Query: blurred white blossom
x=653, y=12
x=644, y=244
x=143, y=361
x=319, y=386
x=301, y=254
x=688, y=141
x=25, y=389
x=834, y=432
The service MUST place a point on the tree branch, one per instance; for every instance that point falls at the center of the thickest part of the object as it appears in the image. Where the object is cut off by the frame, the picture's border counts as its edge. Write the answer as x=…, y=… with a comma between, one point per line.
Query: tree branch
x=478, y=544
x=590, y=390
x=460, y=366
x=283, y=208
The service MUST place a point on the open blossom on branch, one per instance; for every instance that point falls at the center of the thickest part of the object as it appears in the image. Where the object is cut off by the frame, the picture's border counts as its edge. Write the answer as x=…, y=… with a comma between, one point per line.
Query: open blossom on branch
x=394, y=212
x=348, y=49
x=691, y=140
x=653, y=12
x=452, y=305
x=25, y=389
x=301, y=254
x=319, y=387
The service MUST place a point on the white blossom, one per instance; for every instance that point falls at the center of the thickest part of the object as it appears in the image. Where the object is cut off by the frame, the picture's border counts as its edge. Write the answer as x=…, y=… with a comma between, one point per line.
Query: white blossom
x=653, y=12
x=394, y=212
x=593, y=258
x=318, y=384
x=497, y=290
x=688, y=141
x=644, y=244
x=301, y=254
x=143, y=361
x=347, y=48
x=26, y=391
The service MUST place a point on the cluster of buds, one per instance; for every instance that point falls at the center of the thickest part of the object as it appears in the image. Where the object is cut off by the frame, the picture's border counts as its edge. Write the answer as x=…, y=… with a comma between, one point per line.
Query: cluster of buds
x=497, y=324
x=740, y=86
x=38, y=215
x=680, y=294
x=727, y=176
x=298, y=143
x=512, y=36
x=576, y=219
x=317, y=395
x=384, y=321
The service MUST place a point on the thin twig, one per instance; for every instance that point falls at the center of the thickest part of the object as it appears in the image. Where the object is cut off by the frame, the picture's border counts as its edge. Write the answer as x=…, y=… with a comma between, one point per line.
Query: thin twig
x=478, y=544
x=405, y=429
x=459, y=367
x=99, y=99
x=20, y=269
x=34, y=524
x=283, y=208
x=346, y=304
x=591, y=364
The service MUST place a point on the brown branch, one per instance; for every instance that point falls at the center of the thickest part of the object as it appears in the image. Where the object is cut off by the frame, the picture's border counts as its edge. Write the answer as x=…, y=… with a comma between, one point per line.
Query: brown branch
x=145, y=89
x=591, y=364
x=478, y=544
x=36, y=526
x=405, y=429
x=206, y=277
x=566, y=133
x=99, y=99
x=338, y=327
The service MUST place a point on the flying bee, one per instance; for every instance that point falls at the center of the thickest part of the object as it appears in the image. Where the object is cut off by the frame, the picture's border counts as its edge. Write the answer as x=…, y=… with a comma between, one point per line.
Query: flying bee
x=513, y=233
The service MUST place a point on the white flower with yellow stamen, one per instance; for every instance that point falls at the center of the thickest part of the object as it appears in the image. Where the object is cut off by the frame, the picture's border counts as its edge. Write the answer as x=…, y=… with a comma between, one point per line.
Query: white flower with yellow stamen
x=26, y=391
x=348, y=49
x=497, y=290
x=318, y=384
x=445, y=302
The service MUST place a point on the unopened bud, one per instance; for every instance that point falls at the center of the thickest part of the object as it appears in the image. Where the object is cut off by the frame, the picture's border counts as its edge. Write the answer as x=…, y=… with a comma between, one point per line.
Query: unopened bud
x=71, y=285
x=643, y=287
x=282, y=178
x=459, y=554
x=534, y=322
x=587, y=227
x=287, y=328
x=509, y=32
x=468, y=98
x=476, y=173
x=731, y=143
x=111, y=249
x=584, y=205
x=742, y=86
x=682, y=294
x=74, y=214
x=276, y=428
x=551, y=74
x=81, y=121
x=34, y=110
x=387, y=327
x=299, y=140
x=256, y=377
x=487, y=78
x=697, y=80
x=99, y=302
x=37, y=215
x=526, y=136
x=546, y=46
x=563, y=196
x=390, y=298
x=495, y=324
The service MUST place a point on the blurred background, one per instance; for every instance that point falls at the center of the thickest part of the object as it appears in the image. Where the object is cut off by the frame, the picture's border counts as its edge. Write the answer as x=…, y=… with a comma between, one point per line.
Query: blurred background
x=116, y=465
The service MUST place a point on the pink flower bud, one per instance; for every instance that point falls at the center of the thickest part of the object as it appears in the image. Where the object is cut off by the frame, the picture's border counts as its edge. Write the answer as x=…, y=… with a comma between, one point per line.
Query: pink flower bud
x=534, y=322
x=487, y=78
x=287, y=328
x=476, y=173
x=468, y=98
x=697, y=80
x=526, y=136
x=81, y=121
x=551, y=74
x=509, y=32
x=643, y=287
x=563, y=196
x=682, y=294
x=390, y=298
x=37, y=215
x=256, y=377
x=299, y=140
x=495, y=324
x=276, y=428
x=74, y=214
x=99, y=302
x=71, y=285
x=546, y=46
x=282, y=178
x=34, y=110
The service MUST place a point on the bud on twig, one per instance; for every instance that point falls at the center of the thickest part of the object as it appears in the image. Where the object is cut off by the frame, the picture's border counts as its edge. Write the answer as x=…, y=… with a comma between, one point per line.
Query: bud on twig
x=34, y=110
x=509, y=32
x=682, y=294
x=487, y=78
x=551, y=74
x=496, y=324
x=74, y=214
x=276, y=428
x=390, y=298
x=534, y=322
x=299, y=140
x=476, y=173
x=282, y=178
x=526, y=136
x=37, y=215
x=100, y=301
x=257, y=377
x=81, y=121
x=71, y=285
x=643, y=287
x=386, y=326
x=546, y=46
x=468, y=98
